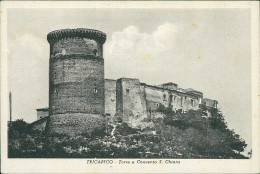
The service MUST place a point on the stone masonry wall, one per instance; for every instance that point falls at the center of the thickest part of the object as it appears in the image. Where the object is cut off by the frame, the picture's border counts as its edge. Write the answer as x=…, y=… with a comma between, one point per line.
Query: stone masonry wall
x=75, y=123
x=209, y=103
x=76, y=81
x=110, y=97
x=119, y=97
x=169, y=98
x=77, y=85
x=39, y=125
x=131, y=104
x=42, y=113
x=77, y=45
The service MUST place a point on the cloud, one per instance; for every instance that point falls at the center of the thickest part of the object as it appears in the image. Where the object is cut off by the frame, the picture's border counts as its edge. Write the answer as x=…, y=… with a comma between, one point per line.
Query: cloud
x=141, y=48
x=139, y=44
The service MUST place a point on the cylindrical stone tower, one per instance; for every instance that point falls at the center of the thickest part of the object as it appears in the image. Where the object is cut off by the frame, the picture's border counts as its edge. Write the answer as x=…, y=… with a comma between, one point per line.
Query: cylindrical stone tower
x=76, y=81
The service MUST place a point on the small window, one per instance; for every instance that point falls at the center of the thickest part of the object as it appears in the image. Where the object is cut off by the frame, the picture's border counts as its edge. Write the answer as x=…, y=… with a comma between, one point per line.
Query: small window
x=157, y=105
x=192, y=102
x=56, y=92
x=95, y=52
x=174, y=98
x=127, y=90
x=164, y=96
x=95, y=90
x=54, y=75
x=199, y=100
x=185, y=97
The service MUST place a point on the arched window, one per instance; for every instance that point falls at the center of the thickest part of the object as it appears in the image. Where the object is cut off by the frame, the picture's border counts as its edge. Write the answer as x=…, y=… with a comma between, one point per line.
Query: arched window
x=95, y=90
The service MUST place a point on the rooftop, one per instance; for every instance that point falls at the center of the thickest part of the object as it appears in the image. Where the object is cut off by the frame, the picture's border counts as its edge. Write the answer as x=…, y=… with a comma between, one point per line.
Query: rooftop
x=43, y=109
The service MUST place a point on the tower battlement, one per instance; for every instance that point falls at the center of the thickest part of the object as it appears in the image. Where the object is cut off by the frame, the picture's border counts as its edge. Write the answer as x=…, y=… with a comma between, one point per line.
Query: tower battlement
x=57, y=35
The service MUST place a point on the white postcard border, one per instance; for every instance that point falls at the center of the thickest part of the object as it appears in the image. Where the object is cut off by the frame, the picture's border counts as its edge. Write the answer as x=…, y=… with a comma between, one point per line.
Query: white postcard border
x=80, y=165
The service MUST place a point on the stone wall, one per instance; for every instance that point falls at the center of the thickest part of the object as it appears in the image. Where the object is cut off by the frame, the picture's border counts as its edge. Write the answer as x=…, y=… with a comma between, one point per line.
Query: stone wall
x=131, y=103
x=76, y=81
x=137, y=103
x=110, y=97
x=156, y=96
x=39, y=125
x=209, y=103
x=77, y=85
x=77, y=45
x=74, y=123
x=119, y=98
x=41, y=113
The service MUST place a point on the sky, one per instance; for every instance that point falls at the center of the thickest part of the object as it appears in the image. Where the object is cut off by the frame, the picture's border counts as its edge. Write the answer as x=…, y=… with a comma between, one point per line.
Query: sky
x=204, y=49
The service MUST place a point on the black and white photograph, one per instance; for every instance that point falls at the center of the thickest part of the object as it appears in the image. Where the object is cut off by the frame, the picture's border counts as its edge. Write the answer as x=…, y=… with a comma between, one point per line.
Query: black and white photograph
x=129, y=83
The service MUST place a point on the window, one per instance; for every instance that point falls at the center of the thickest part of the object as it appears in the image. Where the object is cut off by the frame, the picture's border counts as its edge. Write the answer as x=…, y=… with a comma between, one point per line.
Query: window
x=95, y=52
x=54, y=75
x=174, y=98
x=192, y=102
x=164, y=96
x=127, y=90
x=157, y=105
x=181, y=101
x=56, y=92
x=95, y=90
x=185, y=97
x=215, y=104
x=199, y=100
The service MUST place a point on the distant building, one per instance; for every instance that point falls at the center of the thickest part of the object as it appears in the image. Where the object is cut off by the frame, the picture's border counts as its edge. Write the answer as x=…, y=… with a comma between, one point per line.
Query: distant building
x=209, y=103
x=42, y=112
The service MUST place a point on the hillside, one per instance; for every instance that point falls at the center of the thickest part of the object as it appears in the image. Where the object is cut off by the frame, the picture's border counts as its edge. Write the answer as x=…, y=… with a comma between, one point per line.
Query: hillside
x=177, y=135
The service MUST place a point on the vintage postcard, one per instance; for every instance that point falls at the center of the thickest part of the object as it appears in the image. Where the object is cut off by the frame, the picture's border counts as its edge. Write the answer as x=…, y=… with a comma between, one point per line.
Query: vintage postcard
x=130, y=87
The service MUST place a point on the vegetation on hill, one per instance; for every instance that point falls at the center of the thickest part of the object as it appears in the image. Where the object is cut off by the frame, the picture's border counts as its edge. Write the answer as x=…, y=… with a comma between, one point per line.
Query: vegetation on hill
x=177, y=135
